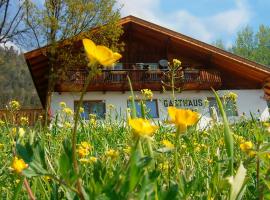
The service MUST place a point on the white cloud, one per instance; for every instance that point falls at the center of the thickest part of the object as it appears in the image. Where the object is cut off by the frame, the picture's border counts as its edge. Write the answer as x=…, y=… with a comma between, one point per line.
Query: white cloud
x=224, y=24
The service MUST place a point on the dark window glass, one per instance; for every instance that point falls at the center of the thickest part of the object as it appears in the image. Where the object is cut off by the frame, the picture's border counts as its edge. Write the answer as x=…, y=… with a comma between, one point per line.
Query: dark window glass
x=151, y=108
x=92, y=107
x=230, y=107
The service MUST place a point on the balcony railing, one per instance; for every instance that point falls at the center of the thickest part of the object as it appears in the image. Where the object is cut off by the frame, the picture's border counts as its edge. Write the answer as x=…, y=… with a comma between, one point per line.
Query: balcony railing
x=117, y=79
x=33, y=115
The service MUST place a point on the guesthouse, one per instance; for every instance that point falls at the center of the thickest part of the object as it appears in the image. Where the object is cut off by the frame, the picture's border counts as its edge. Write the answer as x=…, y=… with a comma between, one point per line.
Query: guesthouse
x=147, y=51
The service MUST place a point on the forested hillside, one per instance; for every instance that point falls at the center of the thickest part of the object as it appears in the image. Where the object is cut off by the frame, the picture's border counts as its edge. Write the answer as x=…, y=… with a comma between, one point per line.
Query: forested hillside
x=15, y=79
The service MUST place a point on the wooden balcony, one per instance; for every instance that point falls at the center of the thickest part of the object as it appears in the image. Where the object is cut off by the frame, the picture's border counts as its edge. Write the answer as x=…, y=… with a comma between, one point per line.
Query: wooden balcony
x=116, y=80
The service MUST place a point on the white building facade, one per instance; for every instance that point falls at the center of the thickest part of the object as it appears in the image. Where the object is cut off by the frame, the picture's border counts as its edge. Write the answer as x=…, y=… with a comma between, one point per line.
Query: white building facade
x=100, y=103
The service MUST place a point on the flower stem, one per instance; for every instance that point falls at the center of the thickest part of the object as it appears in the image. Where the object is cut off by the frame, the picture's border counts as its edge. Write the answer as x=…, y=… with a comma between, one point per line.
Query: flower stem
x=74, y=133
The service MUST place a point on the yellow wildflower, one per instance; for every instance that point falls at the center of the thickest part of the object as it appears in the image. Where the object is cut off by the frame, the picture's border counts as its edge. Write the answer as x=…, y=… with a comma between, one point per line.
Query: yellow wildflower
x=68, y=111
x=206, y=103
x=112, y=153
x=84, y=149
x=148, y=94
x=13, y=131
x=142, y=127
x=93, y=122
x=111, y=106
x=86, y=145
x=18, y=165
x=14, y=105
x=21, y=132
x=232, y=96
x=246, y=146
x=81, y=110
x=182, y=118
x=221, y=142
x=47, y=178
x=167, y=144
x=108, y=129
x=62, y=104
x=127, y=150
x=82, y=152
x=209, y=161
x=24, y=120
x=176, y=62
x=1, y=122
x=164, y=166
x=93, y=159
x=100, y=54
x=1, y=145
x=197, y=148
x=67, y=125
x=252, y=153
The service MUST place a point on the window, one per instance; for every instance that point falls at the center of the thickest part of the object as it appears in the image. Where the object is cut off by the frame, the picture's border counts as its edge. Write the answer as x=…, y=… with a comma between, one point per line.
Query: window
x=230, y=107
x=151, y=108
x=268, y=104
x=118, y=66
x=92, y=107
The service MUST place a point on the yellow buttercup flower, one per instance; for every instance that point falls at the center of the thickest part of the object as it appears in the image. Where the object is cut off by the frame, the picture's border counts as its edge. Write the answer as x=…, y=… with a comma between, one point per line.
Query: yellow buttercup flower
x=167, y=144
x=81, y=110
x=24, y=120
x=82, y=152
x=148, y=94
x=1, y=122
x=246, y=146
x=21, y=132
x=100, y=54
x=63, y=104
x=68, y=111
x=112, y=153
x=14, y=105
x=86, y=145
x=164, y=166
x=92, y=159
x=67, y=125
x=13, y=131
x=182, y=118
x=18, y=165
x=176, y=62
x=84, y=149
x=142, y=127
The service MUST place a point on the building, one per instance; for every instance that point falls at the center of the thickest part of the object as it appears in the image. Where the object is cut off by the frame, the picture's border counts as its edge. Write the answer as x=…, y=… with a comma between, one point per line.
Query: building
x=148, y=47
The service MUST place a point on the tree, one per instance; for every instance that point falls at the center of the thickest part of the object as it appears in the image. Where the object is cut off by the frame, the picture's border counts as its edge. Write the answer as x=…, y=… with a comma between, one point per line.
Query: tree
x=262, y=52
x=11, y=16
x=61, y=24
x=245, y=43
x=252, y=46
x=219, y=44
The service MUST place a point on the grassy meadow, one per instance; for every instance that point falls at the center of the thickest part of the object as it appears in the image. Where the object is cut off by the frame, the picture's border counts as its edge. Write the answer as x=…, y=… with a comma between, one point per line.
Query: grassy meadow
x=117, y=160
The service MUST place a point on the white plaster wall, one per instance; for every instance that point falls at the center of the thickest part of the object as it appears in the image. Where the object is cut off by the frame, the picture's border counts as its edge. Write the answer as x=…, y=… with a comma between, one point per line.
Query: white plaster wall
x=249, y=101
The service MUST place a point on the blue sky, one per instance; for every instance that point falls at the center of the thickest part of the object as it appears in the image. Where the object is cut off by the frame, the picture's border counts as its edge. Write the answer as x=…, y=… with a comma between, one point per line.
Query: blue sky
x=206, y=20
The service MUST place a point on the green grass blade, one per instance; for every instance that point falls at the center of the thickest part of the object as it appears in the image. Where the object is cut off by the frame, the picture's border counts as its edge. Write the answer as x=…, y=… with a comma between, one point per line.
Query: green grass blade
x=228, y=138
x=133, y=106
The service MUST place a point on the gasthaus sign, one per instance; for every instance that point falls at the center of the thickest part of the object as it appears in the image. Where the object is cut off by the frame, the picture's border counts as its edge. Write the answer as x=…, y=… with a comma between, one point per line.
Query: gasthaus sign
x=183, y=103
